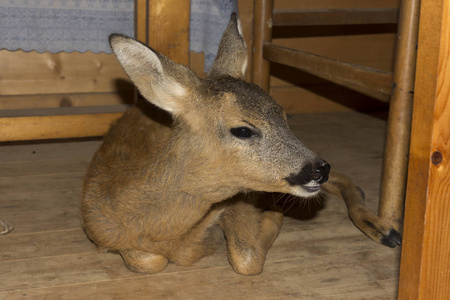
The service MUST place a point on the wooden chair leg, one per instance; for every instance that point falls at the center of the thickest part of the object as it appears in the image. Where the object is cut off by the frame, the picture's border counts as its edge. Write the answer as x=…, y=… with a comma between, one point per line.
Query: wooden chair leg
x=262, y=32
x=400, y=112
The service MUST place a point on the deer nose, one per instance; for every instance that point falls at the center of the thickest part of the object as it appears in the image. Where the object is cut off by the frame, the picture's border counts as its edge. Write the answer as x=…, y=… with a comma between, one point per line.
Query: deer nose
x=317, y=171
x=320, y=173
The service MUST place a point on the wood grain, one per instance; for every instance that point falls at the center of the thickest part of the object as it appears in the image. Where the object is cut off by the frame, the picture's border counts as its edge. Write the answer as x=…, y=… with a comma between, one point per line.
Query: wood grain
x=343, y=73
x=436, y=253
x=374, y=50
x=30, y=73
x=395, y=162
x=348, y=16
x=54, y=126
x=425, y=266
x=262, y=33
x=323, y=98
x=168, y=29
x=66, y=100
x=140, y=20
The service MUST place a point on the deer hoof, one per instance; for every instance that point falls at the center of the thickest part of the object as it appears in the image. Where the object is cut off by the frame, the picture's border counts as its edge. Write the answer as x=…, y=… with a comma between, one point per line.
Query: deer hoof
x=392, y=239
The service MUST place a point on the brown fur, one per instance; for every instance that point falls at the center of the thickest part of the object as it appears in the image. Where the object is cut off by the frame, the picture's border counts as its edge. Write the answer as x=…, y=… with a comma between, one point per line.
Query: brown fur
x=171, y=188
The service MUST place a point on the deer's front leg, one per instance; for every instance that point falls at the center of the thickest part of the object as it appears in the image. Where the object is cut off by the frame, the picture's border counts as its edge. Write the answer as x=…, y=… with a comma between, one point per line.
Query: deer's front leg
x=363, y=218
x=249, y=234
x=143, y=262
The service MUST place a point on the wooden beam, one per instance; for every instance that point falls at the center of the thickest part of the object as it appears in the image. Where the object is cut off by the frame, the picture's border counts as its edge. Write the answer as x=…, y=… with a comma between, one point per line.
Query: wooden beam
x=346, y=74
x=168, y=28
x=425, y=263
x=344, y=16
x=262, y=33
x=54, y=123
x=65, y=100
x=141, y=20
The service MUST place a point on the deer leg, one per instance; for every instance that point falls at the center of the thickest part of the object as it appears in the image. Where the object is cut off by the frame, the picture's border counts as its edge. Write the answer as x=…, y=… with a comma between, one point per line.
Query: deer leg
x=363, y=218
x=249, y=234
x=143, y=262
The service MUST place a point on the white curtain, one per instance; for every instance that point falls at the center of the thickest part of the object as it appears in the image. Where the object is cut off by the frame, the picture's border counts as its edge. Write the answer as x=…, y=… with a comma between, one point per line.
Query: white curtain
x=84, y=25
x=63, y=25
x=209, y=18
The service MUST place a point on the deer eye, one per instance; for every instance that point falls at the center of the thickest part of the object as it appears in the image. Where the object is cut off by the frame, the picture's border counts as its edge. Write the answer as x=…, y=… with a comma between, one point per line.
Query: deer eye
x=243, y=132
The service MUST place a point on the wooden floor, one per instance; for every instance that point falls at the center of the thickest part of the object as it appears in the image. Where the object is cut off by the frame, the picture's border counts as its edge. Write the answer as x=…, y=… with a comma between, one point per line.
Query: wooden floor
x=318, y=255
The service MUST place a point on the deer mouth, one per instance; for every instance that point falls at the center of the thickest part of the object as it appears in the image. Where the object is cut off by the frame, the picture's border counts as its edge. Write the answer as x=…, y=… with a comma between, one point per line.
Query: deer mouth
x=311, y=188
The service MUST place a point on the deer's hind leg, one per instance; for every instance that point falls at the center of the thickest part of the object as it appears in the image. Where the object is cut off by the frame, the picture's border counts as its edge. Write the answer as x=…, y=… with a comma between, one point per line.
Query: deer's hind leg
x=249, y=234
x=363, y=218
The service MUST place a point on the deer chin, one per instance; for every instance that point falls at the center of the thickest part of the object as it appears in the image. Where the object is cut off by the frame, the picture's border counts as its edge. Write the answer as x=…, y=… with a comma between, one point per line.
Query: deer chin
x=308, y=190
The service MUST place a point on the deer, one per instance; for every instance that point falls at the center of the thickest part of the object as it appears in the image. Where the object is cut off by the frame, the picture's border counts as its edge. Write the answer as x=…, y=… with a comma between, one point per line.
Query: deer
x=172, y=188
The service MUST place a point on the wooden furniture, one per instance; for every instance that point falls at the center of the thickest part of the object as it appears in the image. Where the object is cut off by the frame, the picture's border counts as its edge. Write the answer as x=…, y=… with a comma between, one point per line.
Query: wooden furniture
x=71, y=95
x=375, y=83
x=425, y=263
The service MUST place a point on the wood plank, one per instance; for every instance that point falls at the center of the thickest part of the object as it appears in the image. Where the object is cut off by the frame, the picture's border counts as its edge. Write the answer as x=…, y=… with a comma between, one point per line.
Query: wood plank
x=42, y=167
x=55, y=127
x=371, y=50
x=61, y=270
x=424, y=272
x=343, y=16
x=435, y=268
x=46, y=220
x=53, y=123
x=187, y=282
x=168, y=29
x=66, y=100
x=326, y=4
x=349, y=75
x=62, y=111
x=41, y=203
x=58, y=182
x=185, y=287
x=23, y=154
x=17, y=247
x=17, y=207
x=29, y=73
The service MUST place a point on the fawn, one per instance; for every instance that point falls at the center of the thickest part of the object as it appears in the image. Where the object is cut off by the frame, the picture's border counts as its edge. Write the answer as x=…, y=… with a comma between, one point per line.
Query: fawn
x=162, y=190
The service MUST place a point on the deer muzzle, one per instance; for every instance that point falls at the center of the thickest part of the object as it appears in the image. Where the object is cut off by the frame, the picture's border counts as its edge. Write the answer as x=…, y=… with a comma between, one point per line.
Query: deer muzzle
x=311, y=176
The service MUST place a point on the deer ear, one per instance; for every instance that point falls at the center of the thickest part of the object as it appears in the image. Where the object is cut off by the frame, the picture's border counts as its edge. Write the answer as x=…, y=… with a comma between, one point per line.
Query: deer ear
x=160, y=80
x=232, y=56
